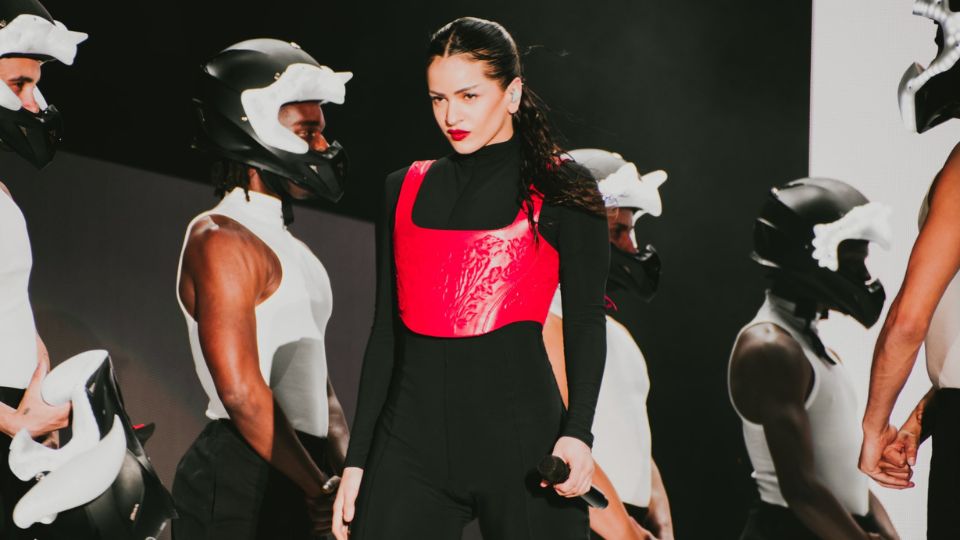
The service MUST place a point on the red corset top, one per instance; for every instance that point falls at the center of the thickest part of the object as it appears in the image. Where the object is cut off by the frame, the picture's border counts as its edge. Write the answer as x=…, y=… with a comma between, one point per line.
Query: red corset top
x=466, y=283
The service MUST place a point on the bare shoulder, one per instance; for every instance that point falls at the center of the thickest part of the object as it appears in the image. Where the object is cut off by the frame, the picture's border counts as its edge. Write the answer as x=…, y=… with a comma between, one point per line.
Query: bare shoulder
x=215, y=235
x=947, y=181
x=767, y=349
x=4, y=189
x=219, y=246
x=768, y=371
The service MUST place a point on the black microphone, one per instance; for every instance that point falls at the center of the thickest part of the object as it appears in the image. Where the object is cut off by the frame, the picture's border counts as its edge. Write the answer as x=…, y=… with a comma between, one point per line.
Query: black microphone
x=555, y=471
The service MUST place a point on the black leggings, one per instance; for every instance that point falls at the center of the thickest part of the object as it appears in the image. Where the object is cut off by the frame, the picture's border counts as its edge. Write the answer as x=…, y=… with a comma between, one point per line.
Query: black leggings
x=224, y=490
x=460, y=437
x=11, y=488
x=772, y=522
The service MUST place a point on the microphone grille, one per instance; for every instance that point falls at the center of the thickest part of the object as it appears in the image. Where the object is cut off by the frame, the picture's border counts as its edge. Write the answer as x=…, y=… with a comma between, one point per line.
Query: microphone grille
x=553, y=469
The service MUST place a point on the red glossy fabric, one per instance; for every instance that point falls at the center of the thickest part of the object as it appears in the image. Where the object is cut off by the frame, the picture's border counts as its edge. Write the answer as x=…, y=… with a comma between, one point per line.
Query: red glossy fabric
x=468, y=283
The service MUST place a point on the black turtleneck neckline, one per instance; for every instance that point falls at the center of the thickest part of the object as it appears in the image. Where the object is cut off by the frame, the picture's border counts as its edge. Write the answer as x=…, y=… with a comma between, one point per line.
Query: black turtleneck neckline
x=476, y=191
x=492, y=152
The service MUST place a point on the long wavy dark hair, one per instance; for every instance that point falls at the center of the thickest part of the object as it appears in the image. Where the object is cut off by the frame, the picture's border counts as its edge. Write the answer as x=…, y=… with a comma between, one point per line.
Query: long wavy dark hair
x=541, y=166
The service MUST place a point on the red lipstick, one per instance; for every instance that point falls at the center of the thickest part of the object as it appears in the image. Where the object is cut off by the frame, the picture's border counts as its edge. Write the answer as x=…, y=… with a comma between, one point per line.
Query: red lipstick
x=458, y=134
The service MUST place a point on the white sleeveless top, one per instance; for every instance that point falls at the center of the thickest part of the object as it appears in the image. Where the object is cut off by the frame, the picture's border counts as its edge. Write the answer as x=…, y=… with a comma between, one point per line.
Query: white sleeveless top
x=942, y=343
x=834, y=423
x=621, y=428
x=18, y=341
x=290, y=323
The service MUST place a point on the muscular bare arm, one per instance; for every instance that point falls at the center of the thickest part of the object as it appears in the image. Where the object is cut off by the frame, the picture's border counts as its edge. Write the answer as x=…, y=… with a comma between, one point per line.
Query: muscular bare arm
x=933, y=263
x=226, y=273
x=770, y=378
x=338, y=434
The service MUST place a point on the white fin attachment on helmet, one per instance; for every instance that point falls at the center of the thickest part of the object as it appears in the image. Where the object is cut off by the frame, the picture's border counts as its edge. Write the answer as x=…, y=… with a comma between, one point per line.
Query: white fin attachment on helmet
x=869, y=222
x=300, y=82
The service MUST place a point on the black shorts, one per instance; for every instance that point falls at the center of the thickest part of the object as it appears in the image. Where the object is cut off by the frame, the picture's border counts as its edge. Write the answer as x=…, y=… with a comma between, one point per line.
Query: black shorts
x=11, y=488
x=772, y=522
x=224, y=490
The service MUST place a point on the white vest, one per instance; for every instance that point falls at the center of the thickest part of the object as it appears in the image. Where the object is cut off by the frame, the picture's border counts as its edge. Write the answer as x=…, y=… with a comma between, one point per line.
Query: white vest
x=834, y=423
x=621, y=429
x=18, y=341
x=942, y=343
x=290, y=323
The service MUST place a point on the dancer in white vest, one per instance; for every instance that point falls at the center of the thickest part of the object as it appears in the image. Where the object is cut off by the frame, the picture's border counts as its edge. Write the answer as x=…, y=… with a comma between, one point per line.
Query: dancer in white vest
x=256, y=302
x=29, y=36
x=626, y=473
x=927, y=307
x=794, y=396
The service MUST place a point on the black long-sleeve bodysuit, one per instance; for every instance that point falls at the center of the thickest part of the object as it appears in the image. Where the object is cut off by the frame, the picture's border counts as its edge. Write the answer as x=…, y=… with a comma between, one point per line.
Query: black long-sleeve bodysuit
x=448, y=429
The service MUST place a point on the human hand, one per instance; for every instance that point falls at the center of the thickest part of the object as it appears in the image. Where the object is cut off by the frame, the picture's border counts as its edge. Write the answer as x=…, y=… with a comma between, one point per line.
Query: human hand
x=34, y=414
x=576, y=454
x=320, y=512
x=344, y=505
x=900, y=456
x=874, y=445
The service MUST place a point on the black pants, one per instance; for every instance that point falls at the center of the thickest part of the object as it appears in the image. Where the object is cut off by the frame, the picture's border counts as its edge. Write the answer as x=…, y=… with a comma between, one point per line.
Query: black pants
x=465, y=424
x=941, y=418
x=638, y=513
x=11, y=488
x=772, y=522
x=224, y=490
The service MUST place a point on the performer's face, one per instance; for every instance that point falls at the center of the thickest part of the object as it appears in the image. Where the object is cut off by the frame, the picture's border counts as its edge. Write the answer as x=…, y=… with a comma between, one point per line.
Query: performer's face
x=21, y=76
x=619, y=225
x=305, y=119
x=852, y=259
x=471, y=109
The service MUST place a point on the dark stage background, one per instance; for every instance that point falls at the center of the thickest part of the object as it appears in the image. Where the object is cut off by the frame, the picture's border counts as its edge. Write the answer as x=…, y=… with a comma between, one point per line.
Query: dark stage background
x=716, y=93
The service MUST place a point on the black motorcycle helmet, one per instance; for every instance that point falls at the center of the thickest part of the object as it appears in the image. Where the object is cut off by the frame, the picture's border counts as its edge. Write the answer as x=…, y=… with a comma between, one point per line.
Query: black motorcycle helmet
x=27, y=30
x=136, y=505
x=240, y=92
x=784, y=242
x=622, y=186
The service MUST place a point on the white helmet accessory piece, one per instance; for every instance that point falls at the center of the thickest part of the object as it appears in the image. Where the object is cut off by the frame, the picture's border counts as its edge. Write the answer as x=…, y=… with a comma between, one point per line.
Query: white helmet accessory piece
x=870, y=222
x=91, y=488
x=299, y=82
x=928, y=97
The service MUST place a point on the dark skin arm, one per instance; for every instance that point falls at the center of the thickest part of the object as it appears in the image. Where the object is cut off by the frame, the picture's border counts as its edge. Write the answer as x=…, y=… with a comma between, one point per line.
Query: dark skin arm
x=770, y=378
x=880, y=516
x=226, y=273
x=338, y=434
